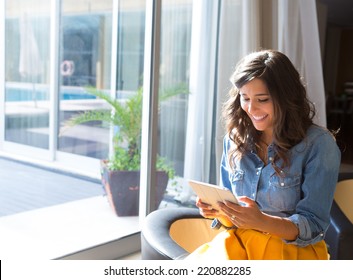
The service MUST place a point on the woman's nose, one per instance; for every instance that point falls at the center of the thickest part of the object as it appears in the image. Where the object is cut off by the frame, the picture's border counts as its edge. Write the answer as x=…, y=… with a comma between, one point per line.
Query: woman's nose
x=251, y=107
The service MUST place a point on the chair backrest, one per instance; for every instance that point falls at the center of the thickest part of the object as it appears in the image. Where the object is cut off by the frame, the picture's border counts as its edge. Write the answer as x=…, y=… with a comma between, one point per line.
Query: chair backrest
x=344, y=197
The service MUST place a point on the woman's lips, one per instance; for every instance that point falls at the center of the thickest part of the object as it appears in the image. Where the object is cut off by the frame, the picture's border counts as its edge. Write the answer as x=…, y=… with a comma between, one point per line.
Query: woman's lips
x=258, y=118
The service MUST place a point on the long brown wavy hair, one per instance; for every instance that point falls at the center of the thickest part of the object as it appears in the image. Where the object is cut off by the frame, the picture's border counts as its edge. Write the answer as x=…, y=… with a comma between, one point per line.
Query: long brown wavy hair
x=293, y=112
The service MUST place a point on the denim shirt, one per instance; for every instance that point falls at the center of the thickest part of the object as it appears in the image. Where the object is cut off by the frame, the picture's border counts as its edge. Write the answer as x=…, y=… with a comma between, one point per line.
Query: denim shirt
x=304, y=190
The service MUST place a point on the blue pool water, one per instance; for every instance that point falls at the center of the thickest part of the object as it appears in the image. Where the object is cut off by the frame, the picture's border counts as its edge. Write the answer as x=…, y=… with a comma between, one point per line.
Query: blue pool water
x=20, y=94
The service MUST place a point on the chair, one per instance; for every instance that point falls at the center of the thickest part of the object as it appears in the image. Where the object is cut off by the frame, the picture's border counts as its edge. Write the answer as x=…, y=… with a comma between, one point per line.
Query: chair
x=173, y=233
x=339, y=236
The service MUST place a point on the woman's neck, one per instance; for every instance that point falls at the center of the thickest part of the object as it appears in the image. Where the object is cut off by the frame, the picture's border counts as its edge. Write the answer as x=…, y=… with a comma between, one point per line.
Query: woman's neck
x=266, y=138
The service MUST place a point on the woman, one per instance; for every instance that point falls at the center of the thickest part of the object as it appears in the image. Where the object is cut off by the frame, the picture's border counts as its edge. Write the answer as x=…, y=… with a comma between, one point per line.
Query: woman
x=281, y=166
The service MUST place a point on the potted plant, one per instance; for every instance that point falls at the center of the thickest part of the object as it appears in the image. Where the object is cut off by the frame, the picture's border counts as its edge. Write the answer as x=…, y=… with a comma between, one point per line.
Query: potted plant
x=120, y=173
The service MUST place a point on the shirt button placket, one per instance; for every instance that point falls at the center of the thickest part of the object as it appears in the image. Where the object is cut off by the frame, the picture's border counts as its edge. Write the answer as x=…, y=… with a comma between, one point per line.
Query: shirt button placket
x=258, y=174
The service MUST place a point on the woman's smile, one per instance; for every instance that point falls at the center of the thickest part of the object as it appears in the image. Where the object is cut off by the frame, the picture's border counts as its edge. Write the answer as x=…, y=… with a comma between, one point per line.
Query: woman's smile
x=258, y=118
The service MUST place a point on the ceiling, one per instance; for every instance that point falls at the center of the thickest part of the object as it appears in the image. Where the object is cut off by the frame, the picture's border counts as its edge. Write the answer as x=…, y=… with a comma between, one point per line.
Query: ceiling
x=339, y=12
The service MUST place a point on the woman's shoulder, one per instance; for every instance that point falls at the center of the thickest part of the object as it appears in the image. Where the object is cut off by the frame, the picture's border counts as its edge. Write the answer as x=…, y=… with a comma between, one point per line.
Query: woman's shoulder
x=227, y=142
x=319, y=134
x=315, y=131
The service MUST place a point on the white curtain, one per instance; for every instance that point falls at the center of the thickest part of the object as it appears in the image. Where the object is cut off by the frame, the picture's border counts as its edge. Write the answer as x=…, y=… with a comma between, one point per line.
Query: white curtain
x=201, y=87
x=201, y=99
x=174, y=76
x=298, y=35
x=211, y=65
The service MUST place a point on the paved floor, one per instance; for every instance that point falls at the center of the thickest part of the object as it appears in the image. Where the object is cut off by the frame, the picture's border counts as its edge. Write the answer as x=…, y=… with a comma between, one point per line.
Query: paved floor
x=47, y=215
x=24, y=187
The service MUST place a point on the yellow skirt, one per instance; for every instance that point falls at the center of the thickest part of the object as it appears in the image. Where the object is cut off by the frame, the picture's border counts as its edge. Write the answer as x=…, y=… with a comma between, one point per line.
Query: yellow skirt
x=240, y=244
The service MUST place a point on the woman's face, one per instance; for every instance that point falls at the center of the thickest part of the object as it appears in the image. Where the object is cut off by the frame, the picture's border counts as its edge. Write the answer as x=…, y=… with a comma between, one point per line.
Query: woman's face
x=256, y=101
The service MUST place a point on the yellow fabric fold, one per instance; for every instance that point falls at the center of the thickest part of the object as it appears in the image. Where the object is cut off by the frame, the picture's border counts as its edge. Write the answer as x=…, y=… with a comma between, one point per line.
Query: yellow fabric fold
x=240, y=244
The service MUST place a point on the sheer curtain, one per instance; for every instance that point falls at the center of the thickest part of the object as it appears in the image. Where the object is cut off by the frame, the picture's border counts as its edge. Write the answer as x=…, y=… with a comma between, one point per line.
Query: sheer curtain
x=222, y=32
x=201, y=88
x=174, y=71
x=202, y=67
x=299, y=39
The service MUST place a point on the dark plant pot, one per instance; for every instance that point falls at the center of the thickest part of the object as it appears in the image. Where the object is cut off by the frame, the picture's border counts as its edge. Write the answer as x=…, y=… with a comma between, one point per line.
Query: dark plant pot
x=123, y=191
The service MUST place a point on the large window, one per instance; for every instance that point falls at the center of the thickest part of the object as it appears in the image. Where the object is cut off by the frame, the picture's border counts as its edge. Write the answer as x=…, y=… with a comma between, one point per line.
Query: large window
x=54, y=53
x=57, y=52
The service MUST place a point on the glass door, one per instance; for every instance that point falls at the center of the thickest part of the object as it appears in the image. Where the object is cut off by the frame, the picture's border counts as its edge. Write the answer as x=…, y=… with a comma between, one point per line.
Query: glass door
x=84, y=63
x=27, y=52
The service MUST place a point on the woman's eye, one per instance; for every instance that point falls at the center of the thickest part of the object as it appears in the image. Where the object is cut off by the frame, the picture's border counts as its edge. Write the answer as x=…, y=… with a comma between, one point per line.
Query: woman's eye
x=260, y=100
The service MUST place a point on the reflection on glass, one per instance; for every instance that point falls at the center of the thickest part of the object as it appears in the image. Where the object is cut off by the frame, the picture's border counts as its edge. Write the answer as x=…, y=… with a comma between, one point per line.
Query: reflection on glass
x=85, y=49
x=26, y=70
x=86, y=39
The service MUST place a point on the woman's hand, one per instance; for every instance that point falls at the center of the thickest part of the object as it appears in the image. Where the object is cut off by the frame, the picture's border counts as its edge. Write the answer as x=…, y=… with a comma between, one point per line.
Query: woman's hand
x=247, y=215
x=206, y=210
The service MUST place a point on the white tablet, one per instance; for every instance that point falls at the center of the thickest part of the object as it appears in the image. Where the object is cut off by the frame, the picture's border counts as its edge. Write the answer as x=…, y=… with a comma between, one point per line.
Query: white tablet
x=212, y=194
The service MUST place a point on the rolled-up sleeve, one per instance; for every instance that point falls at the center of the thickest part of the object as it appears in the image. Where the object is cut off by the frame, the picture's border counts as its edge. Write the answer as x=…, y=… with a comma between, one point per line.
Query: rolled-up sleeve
x=312, y=215
x=305, y=236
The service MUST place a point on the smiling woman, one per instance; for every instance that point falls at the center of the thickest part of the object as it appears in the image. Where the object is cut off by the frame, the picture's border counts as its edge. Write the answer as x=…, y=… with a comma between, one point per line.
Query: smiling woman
x=281, y=166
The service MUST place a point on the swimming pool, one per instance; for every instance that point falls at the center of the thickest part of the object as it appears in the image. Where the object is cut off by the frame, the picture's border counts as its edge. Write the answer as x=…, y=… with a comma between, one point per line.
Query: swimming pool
x=38, y=93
